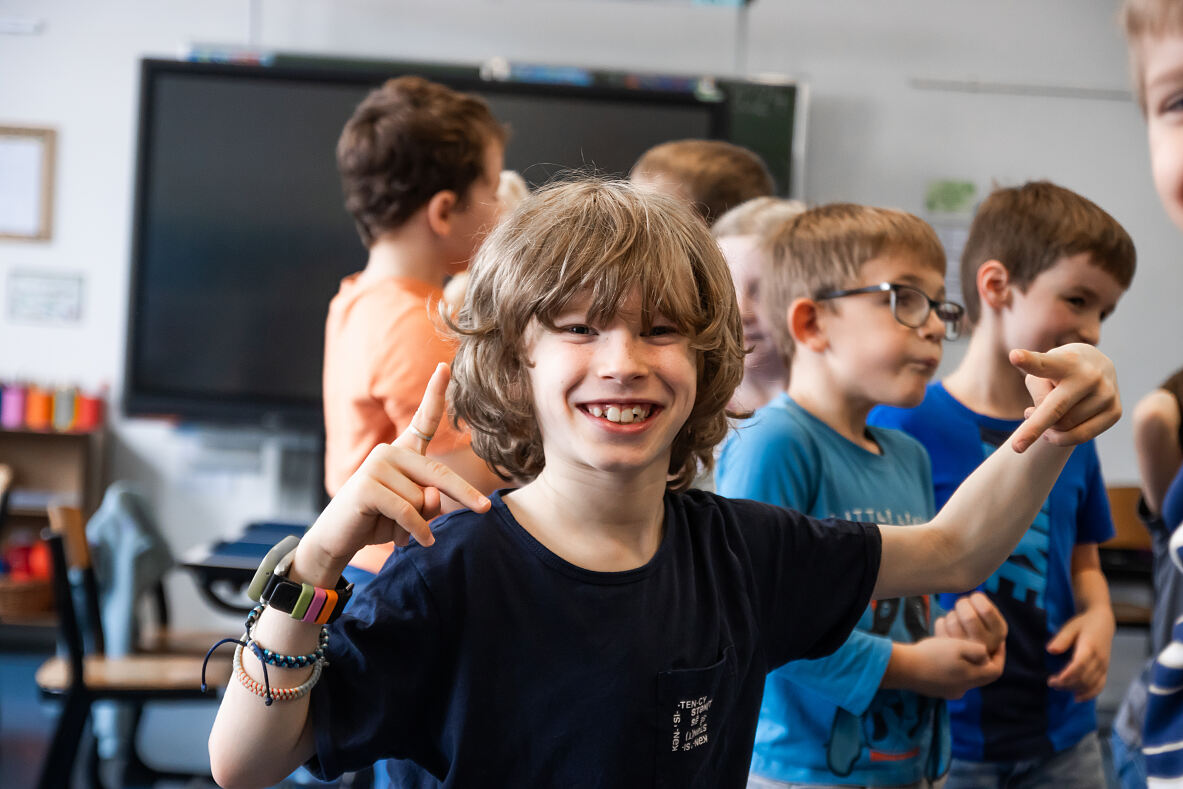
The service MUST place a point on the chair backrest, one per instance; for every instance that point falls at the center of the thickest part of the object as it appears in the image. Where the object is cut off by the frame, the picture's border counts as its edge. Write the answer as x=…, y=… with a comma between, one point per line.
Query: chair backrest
x=1129, y=532
x=5, y=487
x=68, y=524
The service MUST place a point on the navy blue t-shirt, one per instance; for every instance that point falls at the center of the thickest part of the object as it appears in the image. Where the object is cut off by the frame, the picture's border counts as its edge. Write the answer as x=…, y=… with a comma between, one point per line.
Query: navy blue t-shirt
x=487, y=660
x=1017, y=716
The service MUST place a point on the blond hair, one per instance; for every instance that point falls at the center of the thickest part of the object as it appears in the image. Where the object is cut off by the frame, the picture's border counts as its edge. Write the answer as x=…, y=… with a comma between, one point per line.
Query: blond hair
x=824, y=249
x=1143, y=18
x=605, y=240
x=756, y=217
x=715, y=176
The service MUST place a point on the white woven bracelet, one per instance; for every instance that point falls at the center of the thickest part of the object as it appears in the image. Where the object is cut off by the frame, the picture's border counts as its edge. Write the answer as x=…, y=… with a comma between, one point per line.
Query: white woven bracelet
x=278, y=694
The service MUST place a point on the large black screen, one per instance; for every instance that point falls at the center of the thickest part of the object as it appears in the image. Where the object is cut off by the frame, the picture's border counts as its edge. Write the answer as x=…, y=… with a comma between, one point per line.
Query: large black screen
x=240, y=234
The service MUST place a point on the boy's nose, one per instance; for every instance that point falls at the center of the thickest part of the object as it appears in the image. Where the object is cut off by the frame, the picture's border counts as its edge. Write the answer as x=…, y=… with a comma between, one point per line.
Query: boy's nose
x=934, y=327
x=621, y=357
x=1090, y=331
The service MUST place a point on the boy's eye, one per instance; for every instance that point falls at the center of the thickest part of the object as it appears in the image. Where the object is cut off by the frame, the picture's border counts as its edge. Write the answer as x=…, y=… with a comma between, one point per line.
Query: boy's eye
x=662, y=331
x=577, y=328
x=1173, y=104
x=1076, y=301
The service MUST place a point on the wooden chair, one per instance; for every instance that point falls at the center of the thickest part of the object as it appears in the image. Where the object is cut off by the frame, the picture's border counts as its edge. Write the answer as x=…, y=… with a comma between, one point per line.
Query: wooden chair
x=1127, y=556
x=5, y=486
x=85, y=675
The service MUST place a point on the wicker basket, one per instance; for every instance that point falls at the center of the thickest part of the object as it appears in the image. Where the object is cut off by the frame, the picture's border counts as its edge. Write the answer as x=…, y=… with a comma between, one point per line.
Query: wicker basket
x=24, y=598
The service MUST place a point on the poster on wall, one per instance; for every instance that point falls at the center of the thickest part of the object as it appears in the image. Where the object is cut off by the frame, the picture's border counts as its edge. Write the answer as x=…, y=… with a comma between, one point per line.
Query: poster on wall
x=44, y=297
x=26, y=183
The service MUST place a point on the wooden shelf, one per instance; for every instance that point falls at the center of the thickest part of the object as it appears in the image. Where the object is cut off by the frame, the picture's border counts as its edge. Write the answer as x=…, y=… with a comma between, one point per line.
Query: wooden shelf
x=65, y=467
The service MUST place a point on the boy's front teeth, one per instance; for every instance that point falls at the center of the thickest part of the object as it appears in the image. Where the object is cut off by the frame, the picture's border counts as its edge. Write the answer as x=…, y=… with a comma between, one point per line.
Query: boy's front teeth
x=622, y=414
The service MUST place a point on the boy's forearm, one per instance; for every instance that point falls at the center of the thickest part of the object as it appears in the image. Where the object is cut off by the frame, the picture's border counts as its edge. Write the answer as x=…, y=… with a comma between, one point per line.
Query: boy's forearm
x=253, y=744
x=902, y=669
x=1091, y=590
x=976, y=530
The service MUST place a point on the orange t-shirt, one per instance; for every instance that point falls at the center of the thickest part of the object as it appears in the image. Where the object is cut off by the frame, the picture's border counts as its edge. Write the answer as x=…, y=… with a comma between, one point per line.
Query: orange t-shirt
x=383, y=340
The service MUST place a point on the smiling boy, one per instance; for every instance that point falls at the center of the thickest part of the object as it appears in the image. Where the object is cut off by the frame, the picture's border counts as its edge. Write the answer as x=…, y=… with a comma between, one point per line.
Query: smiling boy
x=601, y=626
x=1147, y=739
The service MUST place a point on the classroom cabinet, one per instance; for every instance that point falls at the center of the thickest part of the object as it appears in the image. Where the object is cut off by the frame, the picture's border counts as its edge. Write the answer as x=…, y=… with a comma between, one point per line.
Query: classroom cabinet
x=48, y=468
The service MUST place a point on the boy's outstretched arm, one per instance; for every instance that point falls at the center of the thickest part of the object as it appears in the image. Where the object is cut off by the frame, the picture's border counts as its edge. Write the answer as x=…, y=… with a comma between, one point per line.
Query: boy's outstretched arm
x=393, y=495
x=1074, y=389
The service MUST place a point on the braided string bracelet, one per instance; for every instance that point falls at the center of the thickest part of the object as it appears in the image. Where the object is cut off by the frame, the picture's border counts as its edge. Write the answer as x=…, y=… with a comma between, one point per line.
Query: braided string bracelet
x=264, y=689
x=266, y=656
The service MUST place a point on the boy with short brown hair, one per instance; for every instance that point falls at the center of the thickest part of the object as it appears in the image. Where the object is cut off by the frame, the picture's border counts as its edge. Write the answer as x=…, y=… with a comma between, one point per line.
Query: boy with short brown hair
x=1042, y=266
x=713, y=176
x=419, y=167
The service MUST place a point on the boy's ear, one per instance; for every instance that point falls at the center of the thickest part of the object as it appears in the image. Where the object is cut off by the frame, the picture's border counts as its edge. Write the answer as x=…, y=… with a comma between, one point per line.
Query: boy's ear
x=994, y=286
x=440, y=209
x=805, y=326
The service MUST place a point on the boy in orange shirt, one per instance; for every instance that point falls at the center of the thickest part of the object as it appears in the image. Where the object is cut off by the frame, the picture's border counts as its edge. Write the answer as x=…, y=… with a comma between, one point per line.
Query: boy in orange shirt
x=420, y=166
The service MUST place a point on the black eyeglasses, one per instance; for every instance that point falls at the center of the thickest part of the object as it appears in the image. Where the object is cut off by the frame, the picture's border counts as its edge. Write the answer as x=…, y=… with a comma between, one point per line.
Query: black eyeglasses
x=910, y=306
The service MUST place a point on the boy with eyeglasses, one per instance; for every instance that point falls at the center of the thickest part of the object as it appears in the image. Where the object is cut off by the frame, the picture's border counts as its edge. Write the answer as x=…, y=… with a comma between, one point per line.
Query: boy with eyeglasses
x=1042, y=266
x=854, y=298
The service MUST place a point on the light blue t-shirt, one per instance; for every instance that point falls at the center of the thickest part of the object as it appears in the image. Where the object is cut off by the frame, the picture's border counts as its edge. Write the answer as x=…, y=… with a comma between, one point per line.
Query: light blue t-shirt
x=826, y=721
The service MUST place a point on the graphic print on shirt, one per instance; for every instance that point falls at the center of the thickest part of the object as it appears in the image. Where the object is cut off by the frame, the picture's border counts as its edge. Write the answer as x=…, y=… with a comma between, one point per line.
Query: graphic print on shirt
x=1018, y=588
x=889, y=726
x=894, y=718
x=690, y=705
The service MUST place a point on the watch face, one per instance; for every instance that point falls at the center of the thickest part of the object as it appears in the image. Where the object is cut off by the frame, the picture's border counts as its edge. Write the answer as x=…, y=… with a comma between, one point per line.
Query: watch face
x=283, y=594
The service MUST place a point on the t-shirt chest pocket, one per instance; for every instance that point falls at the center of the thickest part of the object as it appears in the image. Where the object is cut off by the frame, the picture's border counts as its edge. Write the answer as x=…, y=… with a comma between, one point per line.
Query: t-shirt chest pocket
x=691, y=704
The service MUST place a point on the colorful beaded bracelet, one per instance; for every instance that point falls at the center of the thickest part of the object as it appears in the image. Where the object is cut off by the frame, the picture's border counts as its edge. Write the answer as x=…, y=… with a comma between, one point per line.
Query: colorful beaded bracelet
x=264, y=690
x=275, y=658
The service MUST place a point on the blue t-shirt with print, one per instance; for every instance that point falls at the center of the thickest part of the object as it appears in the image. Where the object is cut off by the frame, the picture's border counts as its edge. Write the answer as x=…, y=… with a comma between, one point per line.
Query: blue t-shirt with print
x=826, y=721
x=488, y=660
x=1018, y=716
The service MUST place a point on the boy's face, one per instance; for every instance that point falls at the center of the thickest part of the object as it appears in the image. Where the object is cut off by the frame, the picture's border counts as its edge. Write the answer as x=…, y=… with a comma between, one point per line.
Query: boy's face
x=1162, y=71
x=480, y=209
x=873, y=357
x=1065, y=303
x=610, y=397
x=746, y=262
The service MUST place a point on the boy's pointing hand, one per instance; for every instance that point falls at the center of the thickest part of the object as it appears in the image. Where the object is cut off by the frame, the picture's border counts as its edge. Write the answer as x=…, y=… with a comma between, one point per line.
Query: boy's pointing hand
x=397, y=489
x=1074, y=388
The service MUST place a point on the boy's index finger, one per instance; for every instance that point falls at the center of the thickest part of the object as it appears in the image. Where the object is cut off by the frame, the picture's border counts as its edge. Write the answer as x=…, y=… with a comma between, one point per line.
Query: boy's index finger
x=1045, y=416
x=429, y=472
x=427, y=418
x=1052, y=407
x=1031, y=362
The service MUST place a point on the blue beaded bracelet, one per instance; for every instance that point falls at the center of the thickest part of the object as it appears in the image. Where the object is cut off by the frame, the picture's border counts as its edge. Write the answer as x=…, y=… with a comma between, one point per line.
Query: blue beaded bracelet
x=275, y=658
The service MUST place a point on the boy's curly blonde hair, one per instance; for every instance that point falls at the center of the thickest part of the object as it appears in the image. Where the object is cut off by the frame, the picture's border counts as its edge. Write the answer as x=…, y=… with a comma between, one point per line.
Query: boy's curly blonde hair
x=604, y=239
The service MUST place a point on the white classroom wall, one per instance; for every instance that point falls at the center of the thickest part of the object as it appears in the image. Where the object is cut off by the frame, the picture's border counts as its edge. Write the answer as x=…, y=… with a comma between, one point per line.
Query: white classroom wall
x=1024, y=90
